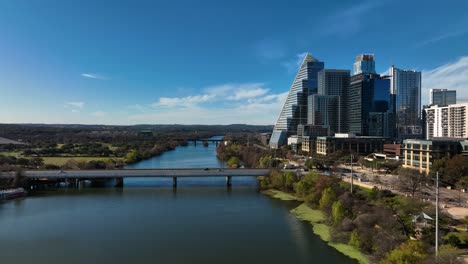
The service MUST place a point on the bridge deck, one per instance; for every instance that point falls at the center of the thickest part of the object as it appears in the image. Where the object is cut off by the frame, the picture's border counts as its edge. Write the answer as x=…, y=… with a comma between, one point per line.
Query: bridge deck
x=137, y=173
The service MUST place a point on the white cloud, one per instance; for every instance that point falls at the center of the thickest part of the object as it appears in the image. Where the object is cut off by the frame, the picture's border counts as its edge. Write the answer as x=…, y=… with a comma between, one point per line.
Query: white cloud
x=452, y=76
x=99, y=114
x=75, y=106
x=248, y=103
x=94, y=76
x=212, y=94
x=182, y=101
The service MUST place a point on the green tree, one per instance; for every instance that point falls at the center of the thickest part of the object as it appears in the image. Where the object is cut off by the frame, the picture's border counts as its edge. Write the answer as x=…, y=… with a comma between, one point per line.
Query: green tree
x=338, y=212
x=233, y=162
x=457, y=167
x=328, y=197
x=131, y=156
x=354, y=239
x=266, y=162
x=407, y=253
x=289, y=180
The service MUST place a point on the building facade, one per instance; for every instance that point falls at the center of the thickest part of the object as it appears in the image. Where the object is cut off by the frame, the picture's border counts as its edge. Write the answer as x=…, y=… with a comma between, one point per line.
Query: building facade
x=419, y=154
x=364, y=64
x=294, y=110
x=349, y=143
x=442, y=97
x=406, y=89
x=447, y=121
x=370, y=108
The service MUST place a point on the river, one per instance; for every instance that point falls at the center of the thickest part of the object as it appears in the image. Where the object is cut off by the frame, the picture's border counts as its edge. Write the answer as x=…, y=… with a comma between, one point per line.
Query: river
x=148, y=222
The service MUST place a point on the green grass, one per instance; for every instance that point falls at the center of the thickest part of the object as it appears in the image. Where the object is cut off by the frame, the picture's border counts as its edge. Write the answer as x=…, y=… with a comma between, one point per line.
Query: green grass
x=323, y=231
x=280, y=195
x=351, y=252
x=317, y=218
x=59, y=161
x=11, y=153
x=304, y=213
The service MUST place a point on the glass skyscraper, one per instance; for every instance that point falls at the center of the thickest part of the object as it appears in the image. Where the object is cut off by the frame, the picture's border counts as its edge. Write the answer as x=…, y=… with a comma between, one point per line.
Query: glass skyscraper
x=406, y=89
x=364, y=64
x=294, y=110
x=442, y=97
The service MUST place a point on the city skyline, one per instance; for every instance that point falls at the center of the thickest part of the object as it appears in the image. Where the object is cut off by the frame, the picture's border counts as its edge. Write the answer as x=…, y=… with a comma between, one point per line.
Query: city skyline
x=81, y=63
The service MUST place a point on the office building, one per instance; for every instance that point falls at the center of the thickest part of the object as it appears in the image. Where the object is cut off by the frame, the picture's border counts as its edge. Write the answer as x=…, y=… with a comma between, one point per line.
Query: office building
x=349, y=143
x=294, y=111
x=447, y=121
x=324, y=111
x=364, y=64
x=442, y=97
x=332, y=91
x=370, y=107
x=406, y=89
x=419, y=154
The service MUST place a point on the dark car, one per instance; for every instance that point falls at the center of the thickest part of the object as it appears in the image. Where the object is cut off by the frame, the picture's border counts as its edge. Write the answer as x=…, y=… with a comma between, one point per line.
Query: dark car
x=205, y=169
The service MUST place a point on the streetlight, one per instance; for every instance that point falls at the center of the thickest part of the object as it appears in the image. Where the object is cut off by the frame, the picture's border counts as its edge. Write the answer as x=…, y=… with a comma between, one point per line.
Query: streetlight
x=352, y=174
x=437, y=217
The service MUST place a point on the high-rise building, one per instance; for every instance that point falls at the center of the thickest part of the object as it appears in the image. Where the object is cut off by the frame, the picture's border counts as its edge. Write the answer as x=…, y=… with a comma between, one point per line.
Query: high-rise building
x=324, y=111
x=370, y=110
x=294, y=110
x=447, y=121
x=442, y=97
x=406, y=89
x=327, y=108
x=364, y=64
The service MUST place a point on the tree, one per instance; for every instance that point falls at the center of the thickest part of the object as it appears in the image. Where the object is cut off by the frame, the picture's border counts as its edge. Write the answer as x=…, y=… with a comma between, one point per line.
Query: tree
x=407, y=253
x=233, y=162
x=354, y=239
x=410, y=180
x=328, y=197
x=338, y=212
x=457, y=167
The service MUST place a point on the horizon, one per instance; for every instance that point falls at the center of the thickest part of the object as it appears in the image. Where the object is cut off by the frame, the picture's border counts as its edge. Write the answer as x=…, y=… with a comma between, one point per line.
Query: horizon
x=151, y=62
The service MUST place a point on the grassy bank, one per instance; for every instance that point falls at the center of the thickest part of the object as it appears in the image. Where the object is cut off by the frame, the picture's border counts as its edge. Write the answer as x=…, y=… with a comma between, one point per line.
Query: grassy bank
x=60, y=161
x=280, y=195
x=317, y=219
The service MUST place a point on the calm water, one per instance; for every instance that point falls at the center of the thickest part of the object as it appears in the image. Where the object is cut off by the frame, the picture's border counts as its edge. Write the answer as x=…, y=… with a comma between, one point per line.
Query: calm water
x=147, y=222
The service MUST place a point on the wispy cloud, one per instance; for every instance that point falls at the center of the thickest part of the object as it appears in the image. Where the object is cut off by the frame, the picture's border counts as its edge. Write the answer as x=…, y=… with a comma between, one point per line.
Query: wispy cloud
x=443, y=36
x=452, y=76
x=99, y=114
x=249, y=103
x=348, y=21
x=94, y=76
x=293, y=65
x=212, y=94
x=269, y=49
x=182, y=101
x=75, y=107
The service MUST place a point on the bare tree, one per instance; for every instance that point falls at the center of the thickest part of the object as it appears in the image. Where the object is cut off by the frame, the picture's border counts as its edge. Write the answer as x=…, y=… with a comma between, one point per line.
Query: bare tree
x=410, y=180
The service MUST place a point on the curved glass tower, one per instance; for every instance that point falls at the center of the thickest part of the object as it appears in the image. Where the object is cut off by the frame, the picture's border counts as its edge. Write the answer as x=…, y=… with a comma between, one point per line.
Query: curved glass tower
x=294, y=111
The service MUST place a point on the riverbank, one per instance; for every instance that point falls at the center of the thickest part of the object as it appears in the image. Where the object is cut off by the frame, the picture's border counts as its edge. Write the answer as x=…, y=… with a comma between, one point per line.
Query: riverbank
x=319, y=227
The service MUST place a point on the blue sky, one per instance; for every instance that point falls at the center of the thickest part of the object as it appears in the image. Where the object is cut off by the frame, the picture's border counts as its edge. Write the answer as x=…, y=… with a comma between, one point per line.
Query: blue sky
x=207, y=62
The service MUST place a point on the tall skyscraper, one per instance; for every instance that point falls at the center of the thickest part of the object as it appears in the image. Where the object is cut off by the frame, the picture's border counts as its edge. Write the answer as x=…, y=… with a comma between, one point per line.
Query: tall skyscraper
x=294, y=110
x=364, y=64
x=406, y=88
x=370, y=106
x=327, y=108
x=442, y=97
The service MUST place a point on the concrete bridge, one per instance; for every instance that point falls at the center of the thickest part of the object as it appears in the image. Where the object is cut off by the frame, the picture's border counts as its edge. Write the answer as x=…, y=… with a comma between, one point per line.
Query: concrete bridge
x=117, y=175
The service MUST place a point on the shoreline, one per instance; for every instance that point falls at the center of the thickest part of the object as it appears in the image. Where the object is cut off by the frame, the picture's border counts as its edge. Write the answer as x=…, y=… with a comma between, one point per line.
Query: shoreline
x=316, y=218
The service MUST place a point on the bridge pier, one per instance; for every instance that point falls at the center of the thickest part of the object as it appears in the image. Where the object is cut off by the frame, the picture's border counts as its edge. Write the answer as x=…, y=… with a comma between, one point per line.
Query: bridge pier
x=174, y=182
x=118, y=182
x=228, y=181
